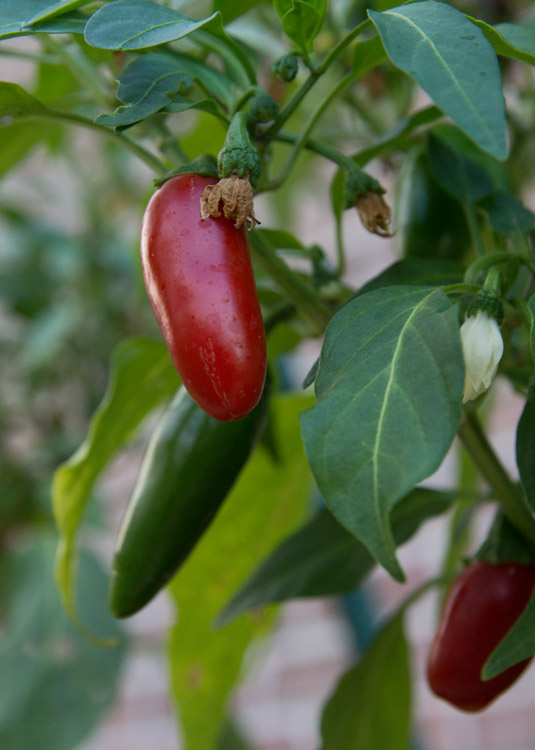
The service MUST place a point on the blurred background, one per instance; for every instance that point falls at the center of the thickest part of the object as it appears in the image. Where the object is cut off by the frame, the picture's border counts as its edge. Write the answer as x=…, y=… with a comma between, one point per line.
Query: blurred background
x=71, y=205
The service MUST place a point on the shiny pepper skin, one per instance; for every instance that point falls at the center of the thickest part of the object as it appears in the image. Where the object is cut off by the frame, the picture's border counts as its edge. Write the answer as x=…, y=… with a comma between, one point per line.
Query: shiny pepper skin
x=200, y=283
x=482, y=605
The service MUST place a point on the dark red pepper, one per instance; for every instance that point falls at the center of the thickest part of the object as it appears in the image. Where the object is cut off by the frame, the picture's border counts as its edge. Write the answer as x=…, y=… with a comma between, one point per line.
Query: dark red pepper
x=482, y=605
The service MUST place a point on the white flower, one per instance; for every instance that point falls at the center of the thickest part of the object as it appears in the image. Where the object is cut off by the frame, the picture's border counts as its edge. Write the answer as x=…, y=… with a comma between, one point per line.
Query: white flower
x=482, y=351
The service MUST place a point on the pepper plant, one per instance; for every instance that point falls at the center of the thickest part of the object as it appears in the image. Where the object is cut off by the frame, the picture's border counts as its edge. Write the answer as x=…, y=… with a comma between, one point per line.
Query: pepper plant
x=227, y=101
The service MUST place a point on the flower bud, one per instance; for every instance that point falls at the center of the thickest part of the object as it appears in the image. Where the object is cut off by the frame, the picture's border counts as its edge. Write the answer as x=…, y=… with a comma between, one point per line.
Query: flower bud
x=482, y=350
x=286, y=67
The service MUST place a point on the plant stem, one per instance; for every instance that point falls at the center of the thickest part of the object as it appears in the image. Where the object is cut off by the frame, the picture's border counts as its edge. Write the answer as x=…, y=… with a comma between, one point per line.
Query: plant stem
x=481, y=264
x=314, y=117
x=36, y=58
x=291, y=105
x=340, y=250
x=510, y=498
x=398, y=139
x=462, y=288
x=342, y=44
x=318, y=147
x=473, y=228
x=298, y=291
x=142, y=153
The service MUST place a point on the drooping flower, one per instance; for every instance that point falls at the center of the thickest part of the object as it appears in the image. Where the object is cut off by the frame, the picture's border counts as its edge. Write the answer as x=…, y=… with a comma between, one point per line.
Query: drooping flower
x=482, y=350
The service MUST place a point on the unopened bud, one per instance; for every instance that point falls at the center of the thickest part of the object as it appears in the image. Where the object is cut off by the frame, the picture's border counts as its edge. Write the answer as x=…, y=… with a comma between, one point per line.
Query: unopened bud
x=482, y=351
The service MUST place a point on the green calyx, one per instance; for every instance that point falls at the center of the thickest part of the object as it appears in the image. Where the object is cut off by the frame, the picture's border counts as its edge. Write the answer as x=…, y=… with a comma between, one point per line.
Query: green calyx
x=286, y=67
x=238, y=155
x=359, y=183
x=488, y=299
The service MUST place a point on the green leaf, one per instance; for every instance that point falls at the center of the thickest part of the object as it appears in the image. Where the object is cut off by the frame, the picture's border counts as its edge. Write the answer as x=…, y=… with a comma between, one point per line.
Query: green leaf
x=213, y=81
x=140, y=75
x=518, y=644
x=205, y=664
x=137, y=24
x=151, y=82
x=368, y=54
x=509, y=39
x=525, y=444
x=460, y=175
x=322, y=558
x=371, y=705
x=281, y=239
x=142, y=376
x=51, y=10
x=453, y=62
x=16, y=15
x=417, y=272
x=15, y=101
x=282, y=7
x=508, y=216
x=133, y=113
x=301, y=24
x=231, y=9
x=52, y=670
x=145, y=91
x=399, y=136
x=18, y=139
x=389, y=390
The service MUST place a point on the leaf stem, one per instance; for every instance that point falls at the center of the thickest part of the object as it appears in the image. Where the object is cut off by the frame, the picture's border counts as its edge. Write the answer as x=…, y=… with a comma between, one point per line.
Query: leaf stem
x=342, y=44
x=462, y=288
x=298, y=291
x=36, y=58
x=511, y=500
x=309, y=125
x=142, y=153
x=319, y=147
x=482, y=263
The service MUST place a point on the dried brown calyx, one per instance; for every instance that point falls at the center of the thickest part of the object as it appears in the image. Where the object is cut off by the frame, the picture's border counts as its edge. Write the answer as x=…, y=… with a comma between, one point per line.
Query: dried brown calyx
x=374, y=213
x=236, y=195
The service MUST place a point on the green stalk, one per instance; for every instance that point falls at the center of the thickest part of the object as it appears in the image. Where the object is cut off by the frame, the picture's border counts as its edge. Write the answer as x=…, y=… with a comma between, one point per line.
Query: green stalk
x=291, y=105
x=472, y=272
x=309, y=125
x=36, y=58
x=142, y=153
x=340, y=250
x=510, y=498
x=462, y=288
x=342, y=44
x=298, y=291
x=473, y=228
x=319, y=147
